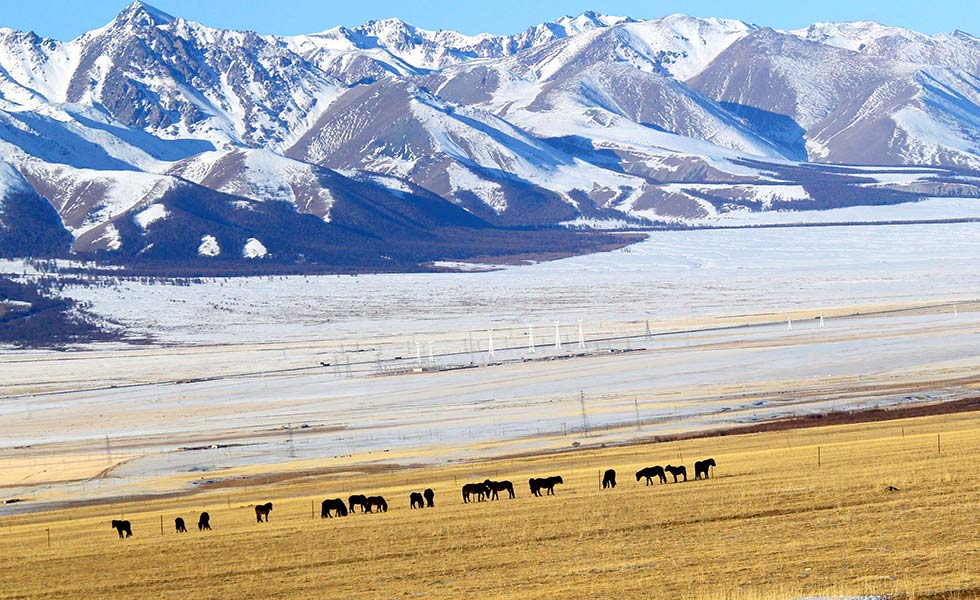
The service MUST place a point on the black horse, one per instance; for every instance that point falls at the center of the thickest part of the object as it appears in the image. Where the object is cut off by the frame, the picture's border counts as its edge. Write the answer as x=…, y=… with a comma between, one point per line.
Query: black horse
x=123, y=527
x=333, y=504
x=179, y=524
x=263, y=510
x=357, y=500
x=650, y=473
x=498, y=486
x=204, y=522
x=544, y=483
x=415, y=500
x=702, y=467
x=479, y=490
x=376, y=502
x=675, y=471
x=430, y=498
x=609, y=479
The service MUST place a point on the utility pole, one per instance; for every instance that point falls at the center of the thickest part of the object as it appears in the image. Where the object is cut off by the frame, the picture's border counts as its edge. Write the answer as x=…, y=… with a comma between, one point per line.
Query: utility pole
x=585, y=414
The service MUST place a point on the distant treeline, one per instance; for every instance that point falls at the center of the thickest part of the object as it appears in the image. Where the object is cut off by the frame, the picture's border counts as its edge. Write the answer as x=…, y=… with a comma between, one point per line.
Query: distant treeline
x=32, y=315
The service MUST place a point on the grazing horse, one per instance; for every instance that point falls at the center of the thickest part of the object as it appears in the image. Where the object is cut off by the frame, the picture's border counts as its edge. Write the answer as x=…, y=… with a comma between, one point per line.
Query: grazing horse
x=123, y=527
x=609, y=479
x=479, y=490
x=204, y=522
x=650, y=473
x=498, y=486
x=335, y=504
x=430, y=498
x=545, y=483
x=415, y=500
x=675, y=471
x=357, y=500
x=376, y=501
x=263, y=510
x=179, y=524
x=701, y=468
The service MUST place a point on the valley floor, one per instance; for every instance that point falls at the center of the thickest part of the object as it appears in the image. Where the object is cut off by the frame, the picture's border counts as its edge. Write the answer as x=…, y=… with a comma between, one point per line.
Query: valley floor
x=689, y=331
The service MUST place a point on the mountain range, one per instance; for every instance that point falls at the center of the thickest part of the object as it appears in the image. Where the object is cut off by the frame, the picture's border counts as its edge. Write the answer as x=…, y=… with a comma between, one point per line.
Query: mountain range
x=162, y=140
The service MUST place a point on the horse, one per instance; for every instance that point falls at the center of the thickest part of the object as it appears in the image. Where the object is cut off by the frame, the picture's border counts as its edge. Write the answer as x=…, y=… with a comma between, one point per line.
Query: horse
x=650, y=473
x=376, y=501
x=479, y=490
x=179, y=524
x=335, y=504
x=415, y=500
x=609, y=479
x=702, y=467
x=430, y=498
x=498, y=486
x=263, y=510
x=204, y=522
x=123, y=527
x=545, y=483
x=675, y=471
x=357, y=500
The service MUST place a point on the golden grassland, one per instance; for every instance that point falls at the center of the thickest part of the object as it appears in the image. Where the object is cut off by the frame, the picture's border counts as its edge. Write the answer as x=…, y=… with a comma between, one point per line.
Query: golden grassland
x=770, y=524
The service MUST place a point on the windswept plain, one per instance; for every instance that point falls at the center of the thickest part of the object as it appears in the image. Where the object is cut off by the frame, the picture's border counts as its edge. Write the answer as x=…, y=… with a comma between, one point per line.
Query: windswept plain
x=688, y=331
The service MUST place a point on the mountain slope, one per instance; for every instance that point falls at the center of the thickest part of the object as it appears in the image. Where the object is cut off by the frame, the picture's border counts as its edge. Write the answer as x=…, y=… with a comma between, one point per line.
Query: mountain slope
x=387, y=145
x=851, y=107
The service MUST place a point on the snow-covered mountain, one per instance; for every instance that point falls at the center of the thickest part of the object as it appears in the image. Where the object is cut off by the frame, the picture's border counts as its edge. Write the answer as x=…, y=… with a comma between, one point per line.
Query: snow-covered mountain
x=158, y=138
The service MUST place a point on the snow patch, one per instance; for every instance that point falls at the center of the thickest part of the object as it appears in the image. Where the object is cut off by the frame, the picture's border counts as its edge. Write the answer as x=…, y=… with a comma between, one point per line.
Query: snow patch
x=209, y=246
x=254, y=249
x=110, y=239
x=150, y=215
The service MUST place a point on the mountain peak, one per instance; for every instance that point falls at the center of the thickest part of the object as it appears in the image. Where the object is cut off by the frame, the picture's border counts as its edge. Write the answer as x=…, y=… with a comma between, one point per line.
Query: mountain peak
x=141, y=14
x=590, y=19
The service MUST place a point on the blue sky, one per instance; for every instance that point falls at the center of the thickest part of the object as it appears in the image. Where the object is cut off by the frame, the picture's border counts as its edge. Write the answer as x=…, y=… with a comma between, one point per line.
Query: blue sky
x=65, y=19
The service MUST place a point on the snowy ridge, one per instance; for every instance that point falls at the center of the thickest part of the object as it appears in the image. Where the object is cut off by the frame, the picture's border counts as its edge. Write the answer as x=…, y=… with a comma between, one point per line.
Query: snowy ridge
x=11, y=181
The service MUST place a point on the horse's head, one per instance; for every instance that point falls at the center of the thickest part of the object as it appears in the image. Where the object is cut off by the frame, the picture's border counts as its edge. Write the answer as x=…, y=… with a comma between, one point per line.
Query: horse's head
x=559, y=479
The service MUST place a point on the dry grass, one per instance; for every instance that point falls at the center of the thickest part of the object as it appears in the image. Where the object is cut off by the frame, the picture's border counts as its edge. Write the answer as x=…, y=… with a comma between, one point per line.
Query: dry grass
x=770, y=525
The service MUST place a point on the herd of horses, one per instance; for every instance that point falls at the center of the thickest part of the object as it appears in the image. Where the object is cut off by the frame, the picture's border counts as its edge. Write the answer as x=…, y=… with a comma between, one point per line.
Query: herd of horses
x=472, y=492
